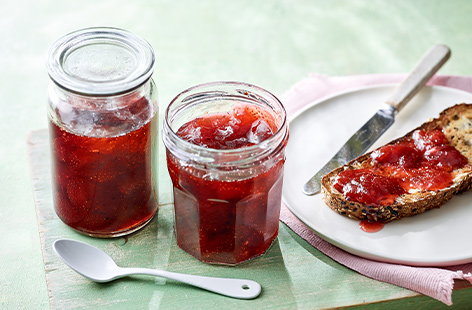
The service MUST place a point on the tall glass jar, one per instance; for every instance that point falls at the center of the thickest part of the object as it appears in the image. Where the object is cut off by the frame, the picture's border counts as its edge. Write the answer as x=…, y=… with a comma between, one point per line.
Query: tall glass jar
x=103, y=117
x=225, y=145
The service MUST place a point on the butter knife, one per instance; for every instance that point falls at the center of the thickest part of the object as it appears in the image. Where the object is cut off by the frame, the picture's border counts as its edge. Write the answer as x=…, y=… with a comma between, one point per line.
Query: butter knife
x=370, y=132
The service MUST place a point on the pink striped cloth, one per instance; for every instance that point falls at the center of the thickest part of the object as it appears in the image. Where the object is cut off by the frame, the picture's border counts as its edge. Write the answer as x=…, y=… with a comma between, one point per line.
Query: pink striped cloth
x=434, y=282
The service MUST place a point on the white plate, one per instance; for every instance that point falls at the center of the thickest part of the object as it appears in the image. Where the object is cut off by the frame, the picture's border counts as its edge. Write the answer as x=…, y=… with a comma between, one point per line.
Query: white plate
x=438, y=237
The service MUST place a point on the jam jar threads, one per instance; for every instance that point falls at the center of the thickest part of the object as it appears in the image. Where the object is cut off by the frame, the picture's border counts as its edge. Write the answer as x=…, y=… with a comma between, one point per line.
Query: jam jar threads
x=103, y=119
x=225, y=145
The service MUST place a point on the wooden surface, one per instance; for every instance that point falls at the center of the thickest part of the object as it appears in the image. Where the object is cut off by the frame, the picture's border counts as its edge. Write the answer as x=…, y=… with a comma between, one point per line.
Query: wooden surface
x=293, y=274
x=269, y=43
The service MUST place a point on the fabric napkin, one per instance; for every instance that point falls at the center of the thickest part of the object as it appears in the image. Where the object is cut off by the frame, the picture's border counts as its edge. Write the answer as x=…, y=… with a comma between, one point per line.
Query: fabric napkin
x=434, y=282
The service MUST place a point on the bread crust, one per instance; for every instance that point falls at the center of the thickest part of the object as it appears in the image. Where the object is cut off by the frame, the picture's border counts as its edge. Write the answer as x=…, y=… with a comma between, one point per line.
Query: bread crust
x=456, y=123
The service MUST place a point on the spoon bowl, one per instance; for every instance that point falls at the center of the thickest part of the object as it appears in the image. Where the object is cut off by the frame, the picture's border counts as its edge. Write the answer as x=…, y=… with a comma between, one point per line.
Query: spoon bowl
x=86, y=260
x=98, y=266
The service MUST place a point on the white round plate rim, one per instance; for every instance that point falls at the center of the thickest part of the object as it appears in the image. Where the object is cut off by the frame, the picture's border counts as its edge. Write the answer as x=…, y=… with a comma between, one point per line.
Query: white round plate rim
x=327, y=236
x=364, y=88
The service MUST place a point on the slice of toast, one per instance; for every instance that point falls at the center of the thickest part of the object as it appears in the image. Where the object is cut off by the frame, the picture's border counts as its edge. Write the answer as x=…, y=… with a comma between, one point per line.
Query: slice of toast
x=456, y=124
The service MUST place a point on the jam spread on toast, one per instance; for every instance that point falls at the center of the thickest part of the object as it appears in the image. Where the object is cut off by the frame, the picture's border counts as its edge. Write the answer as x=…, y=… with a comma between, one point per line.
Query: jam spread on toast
x=368, y=186
x=423, y=162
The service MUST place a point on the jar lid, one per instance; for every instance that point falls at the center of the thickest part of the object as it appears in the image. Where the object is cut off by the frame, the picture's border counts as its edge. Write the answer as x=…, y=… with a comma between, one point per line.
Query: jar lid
x=100, y=61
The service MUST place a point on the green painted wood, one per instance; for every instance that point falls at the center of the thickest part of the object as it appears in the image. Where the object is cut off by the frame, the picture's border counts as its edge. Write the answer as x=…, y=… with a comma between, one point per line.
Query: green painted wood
x=270, y=43
x=293, y=274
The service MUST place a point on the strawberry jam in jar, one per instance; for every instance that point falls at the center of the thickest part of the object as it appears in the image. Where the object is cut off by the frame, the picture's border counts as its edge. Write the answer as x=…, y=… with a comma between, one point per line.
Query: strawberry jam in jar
x=225, y=146
x=102, y=118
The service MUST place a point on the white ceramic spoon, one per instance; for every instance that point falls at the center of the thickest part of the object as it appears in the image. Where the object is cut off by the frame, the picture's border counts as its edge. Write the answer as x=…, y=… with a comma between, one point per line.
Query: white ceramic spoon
x=96, y=265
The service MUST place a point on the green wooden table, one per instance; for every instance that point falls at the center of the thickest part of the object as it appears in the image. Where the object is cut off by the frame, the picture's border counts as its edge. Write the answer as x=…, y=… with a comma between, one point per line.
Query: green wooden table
x=269, y=43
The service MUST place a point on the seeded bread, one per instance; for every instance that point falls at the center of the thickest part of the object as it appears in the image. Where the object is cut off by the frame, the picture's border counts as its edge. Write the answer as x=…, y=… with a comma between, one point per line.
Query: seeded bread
x=456, y=124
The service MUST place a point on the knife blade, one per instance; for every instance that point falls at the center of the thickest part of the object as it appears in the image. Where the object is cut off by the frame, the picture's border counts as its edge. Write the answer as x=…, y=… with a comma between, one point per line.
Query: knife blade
x=371, y=131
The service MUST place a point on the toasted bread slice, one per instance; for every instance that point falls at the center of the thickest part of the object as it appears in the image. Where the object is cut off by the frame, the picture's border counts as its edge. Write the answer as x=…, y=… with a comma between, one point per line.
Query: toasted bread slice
x=456, y=124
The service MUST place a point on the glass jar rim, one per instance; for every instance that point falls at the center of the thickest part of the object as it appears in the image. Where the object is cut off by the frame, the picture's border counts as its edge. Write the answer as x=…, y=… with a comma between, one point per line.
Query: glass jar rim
x=262, y=149
x=134, y=61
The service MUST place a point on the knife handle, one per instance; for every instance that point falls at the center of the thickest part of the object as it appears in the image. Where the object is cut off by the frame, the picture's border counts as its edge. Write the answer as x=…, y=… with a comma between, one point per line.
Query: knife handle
x=423, y=71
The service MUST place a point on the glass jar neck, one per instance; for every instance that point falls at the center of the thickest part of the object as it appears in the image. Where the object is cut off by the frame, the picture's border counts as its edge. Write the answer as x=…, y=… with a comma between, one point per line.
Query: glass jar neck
x=102, y=116
x=204, y=99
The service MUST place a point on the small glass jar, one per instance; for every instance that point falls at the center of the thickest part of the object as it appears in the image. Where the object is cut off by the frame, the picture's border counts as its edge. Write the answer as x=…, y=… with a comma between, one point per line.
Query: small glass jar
x=227, y=201
x=103, y=117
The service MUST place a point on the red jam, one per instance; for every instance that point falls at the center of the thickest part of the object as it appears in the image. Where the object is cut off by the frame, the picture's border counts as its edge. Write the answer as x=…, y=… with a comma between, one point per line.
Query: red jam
x=226, y=221
x=367, y=186
x=371, y=227
x=445, y=157
x=425, y=139
x=403, y=155
x=244, y=126
x=424, y=162
x=103, y=185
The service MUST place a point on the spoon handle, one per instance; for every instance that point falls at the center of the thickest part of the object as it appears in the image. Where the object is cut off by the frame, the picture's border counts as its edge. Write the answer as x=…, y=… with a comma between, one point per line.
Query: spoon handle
x=236, y=288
